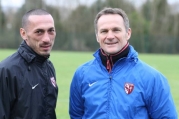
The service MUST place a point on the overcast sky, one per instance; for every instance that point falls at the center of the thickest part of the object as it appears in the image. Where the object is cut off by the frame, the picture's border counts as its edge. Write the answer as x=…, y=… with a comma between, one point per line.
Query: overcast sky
x=18, y=3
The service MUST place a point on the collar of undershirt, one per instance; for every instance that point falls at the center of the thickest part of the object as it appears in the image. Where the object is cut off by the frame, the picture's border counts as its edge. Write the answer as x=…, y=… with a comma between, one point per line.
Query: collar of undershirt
x=109, y=60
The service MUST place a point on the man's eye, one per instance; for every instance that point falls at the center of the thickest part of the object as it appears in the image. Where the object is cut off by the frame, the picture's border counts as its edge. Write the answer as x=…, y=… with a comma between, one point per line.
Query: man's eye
x=116, y=30
x=103, y=31
x=38, y=32
x=52, y=30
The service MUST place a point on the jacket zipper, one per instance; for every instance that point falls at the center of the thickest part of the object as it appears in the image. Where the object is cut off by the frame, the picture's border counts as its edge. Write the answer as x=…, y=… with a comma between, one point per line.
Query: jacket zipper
x=109, y=96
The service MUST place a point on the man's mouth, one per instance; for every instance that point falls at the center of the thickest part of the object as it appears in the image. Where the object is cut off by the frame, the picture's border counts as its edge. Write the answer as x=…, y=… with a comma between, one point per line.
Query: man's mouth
x=111, y=43
x=45, y=47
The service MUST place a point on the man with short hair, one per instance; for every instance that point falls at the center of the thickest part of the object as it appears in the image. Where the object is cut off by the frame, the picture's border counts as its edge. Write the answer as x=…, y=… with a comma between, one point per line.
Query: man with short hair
x=116, y=84
x=28, y=88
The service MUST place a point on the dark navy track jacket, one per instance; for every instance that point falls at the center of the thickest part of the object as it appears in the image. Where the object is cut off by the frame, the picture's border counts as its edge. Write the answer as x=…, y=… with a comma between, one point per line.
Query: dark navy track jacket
x=28, y=87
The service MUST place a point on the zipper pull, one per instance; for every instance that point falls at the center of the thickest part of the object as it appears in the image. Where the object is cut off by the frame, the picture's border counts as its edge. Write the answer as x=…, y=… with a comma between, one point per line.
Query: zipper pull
x=108, y=66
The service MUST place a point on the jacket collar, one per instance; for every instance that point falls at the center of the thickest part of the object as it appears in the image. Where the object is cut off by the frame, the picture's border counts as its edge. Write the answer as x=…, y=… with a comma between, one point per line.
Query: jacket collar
x=30, y=55
x=131, y=56
x=109, y=60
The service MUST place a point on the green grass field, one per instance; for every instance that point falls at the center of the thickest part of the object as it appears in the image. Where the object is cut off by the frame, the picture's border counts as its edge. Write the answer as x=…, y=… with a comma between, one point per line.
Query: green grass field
x=67, y=62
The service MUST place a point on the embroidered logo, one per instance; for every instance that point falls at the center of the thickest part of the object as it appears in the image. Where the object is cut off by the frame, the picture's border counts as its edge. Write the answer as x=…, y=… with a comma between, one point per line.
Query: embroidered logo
x=128, y=88
x=33, y=87
x=53, y=81
x=91, y=84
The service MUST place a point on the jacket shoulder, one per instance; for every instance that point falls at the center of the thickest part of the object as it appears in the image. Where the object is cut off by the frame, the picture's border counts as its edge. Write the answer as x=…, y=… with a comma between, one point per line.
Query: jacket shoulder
x=146, y=68
x=86, y=65
x=12, y=63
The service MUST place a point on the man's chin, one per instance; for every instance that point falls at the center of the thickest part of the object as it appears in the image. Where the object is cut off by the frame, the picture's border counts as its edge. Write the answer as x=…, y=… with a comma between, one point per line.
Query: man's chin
x=45, y=54
x=112, y=51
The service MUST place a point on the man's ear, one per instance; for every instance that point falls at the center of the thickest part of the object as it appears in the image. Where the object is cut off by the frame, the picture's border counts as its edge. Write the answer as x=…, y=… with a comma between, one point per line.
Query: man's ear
x=23, y=33
x=97, y=38
x=129, y=32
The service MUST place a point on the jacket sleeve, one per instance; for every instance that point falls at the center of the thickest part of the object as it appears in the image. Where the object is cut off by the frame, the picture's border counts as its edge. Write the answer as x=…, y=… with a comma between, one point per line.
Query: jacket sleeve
x=160, y=101
x=4, y=95
x=76, y=108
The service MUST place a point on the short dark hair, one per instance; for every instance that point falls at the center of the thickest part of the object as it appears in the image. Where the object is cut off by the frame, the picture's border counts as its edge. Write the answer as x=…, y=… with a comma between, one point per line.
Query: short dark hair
x=32, y=12
x=108, y=10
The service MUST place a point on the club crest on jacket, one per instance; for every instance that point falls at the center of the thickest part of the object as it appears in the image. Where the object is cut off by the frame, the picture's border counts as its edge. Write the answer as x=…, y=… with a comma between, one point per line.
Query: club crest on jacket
x=53, y=81
x=128, y=87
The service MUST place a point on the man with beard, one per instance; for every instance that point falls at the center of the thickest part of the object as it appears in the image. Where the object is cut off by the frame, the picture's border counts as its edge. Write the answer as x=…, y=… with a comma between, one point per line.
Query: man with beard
x=28, y=88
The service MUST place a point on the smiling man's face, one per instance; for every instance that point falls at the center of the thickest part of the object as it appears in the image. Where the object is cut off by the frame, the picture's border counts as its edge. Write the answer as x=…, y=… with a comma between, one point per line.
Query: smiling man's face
x=112, y=35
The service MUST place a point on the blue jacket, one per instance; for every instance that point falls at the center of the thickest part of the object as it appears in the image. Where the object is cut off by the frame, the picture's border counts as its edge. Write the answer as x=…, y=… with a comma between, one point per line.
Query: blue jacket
x=132, y=90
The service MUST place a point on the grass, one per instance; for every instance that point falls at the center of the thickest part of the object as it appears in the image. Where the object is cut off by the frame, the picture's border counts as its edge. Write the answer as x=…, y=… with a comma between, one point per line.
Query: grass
x=67, y=62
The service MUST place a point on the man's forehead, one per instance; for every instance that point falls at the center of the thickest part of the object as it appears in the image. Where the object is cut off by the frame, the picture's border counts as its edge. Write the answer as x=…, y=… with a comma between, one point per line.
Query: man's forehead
x=39, y=22
x=41, y=19
x=34, y=17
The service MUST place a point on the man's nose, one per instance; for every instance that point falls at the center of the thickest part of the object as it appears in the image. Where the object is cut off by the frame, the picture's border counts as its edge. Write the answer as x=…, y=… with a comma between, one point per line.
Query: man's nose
x=110, y=35
x=46, y=37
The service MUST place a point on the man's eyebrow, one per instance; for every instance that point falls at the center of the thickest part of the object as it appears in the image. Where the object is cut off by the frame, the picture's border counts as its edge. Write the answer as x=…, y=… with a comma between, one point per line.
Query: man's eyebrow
x=104, y=29
x=44, y=29
x=39, y=29
x=52, y=28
